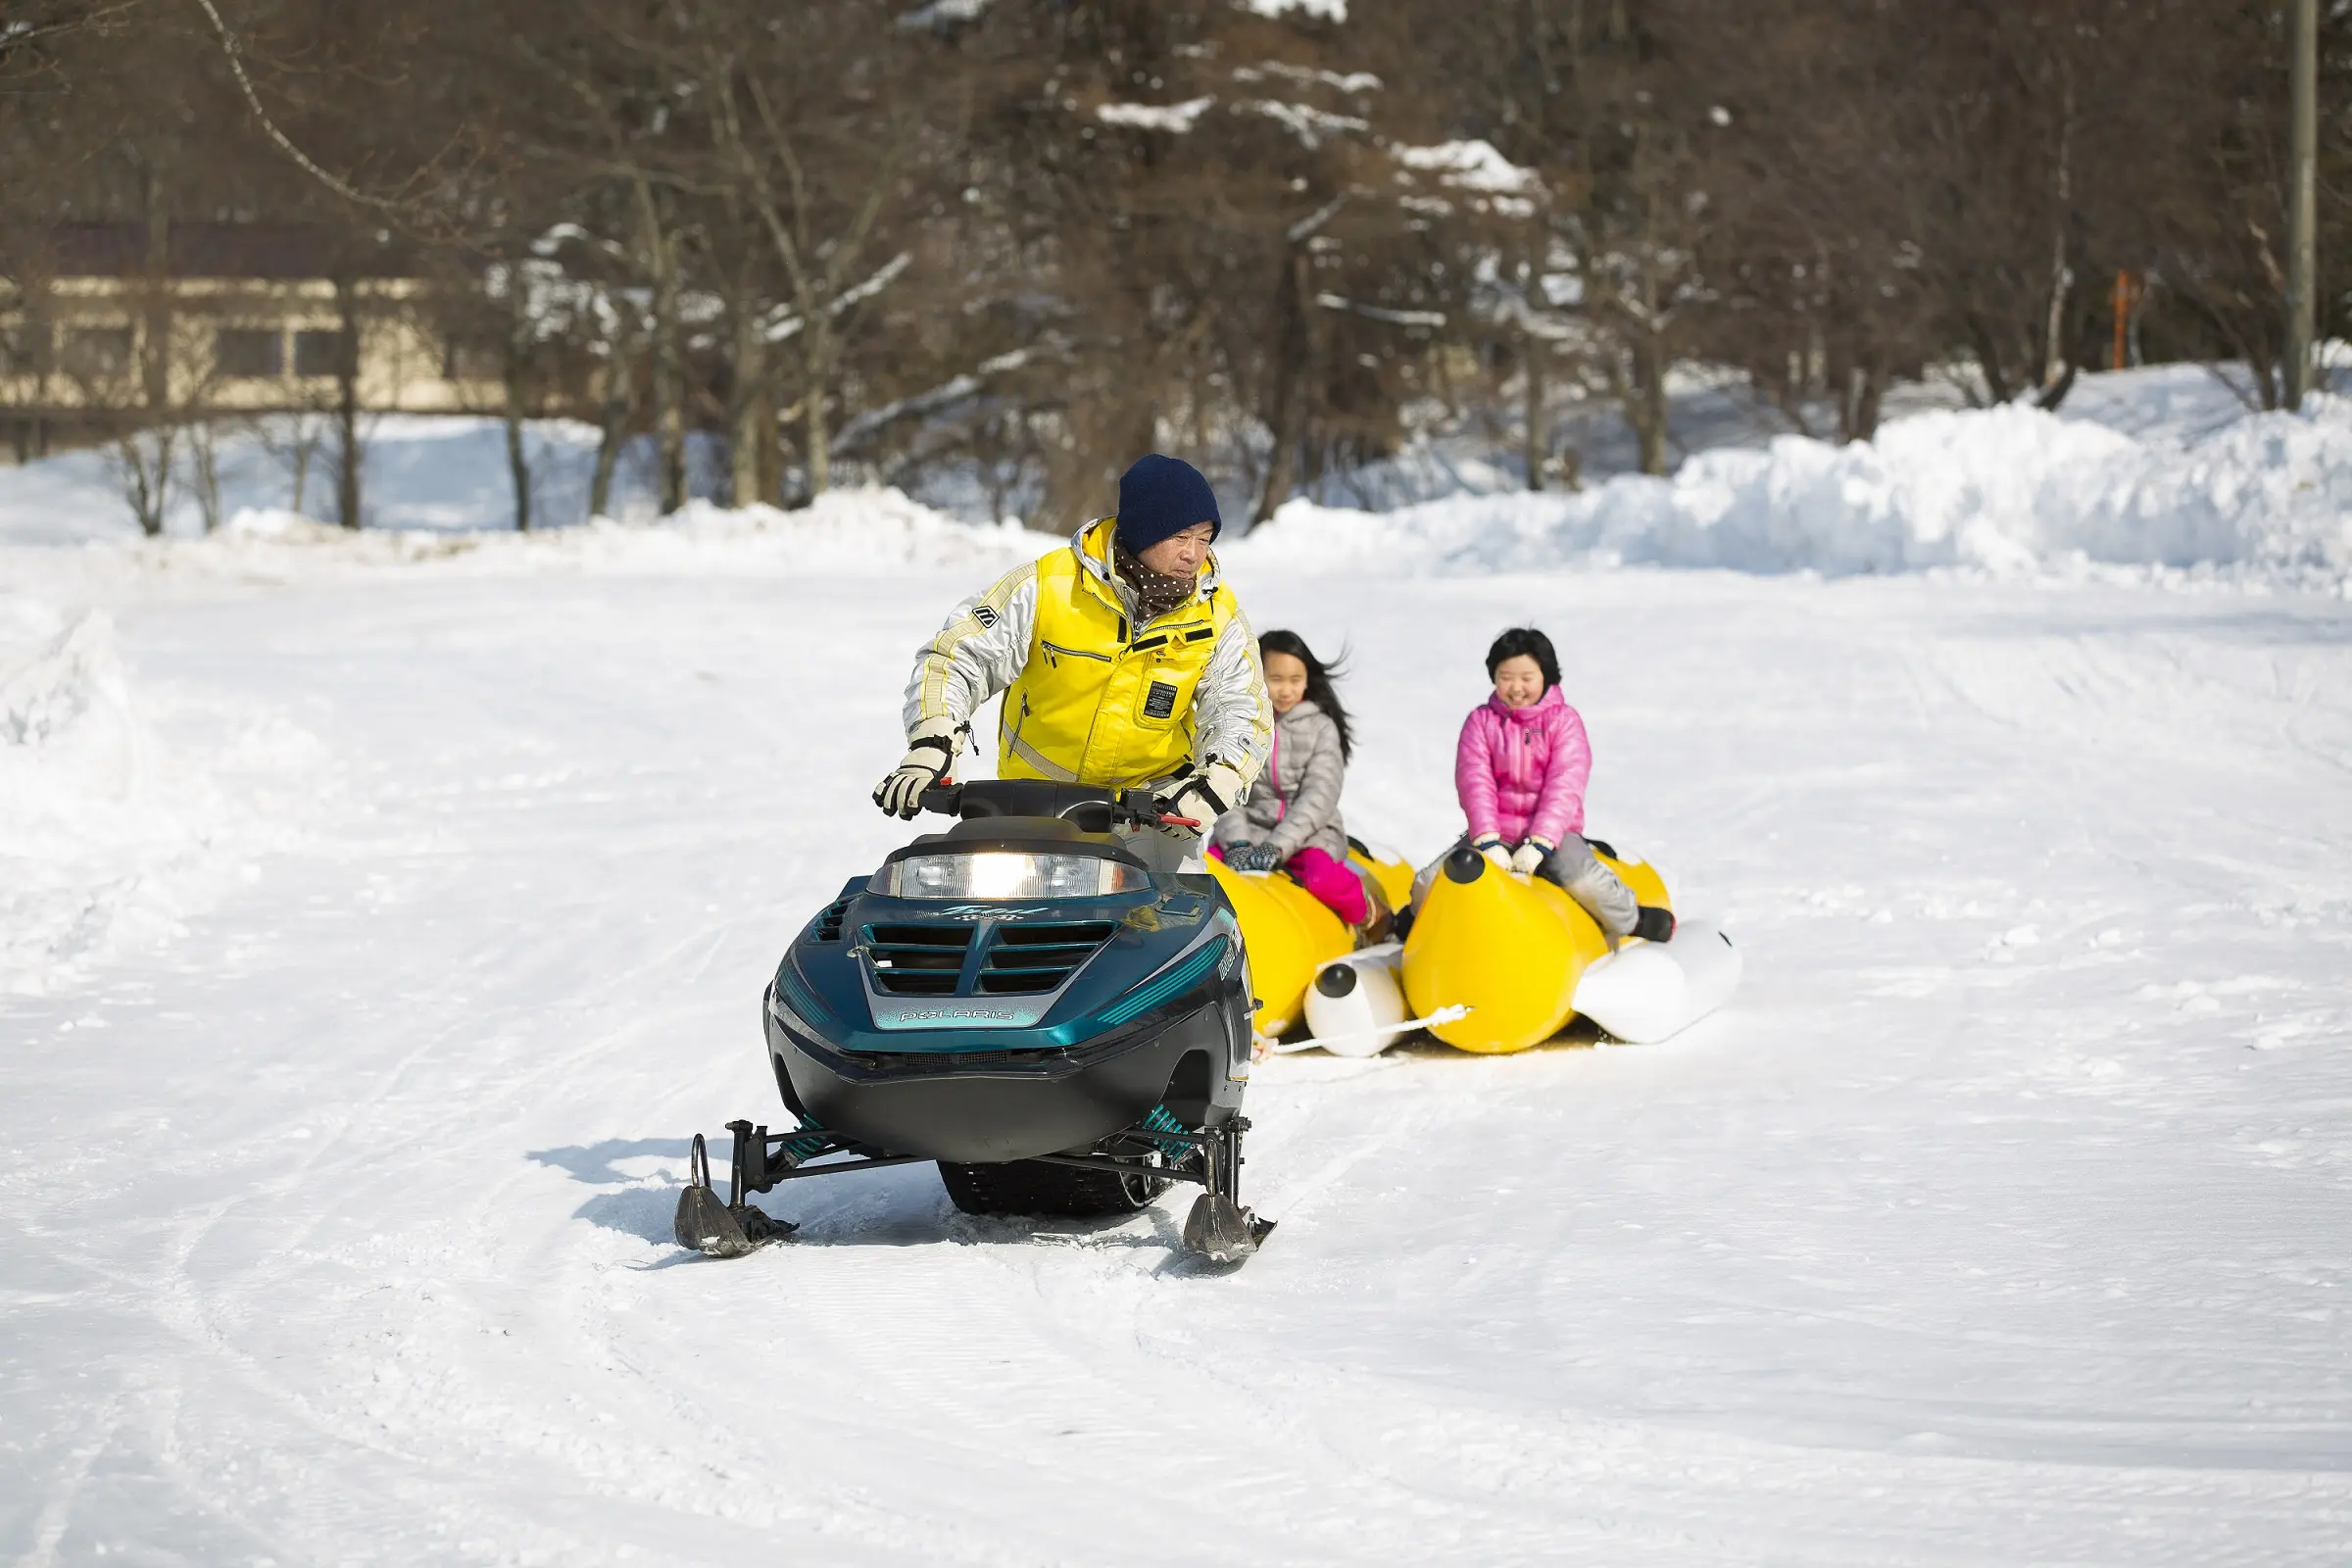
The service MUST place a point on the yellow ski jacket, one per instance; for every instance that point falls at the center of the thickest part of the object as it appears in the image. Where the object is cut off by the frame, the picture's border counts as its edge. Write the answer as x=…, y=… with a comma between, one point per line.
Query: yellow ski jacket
x=1090, y=696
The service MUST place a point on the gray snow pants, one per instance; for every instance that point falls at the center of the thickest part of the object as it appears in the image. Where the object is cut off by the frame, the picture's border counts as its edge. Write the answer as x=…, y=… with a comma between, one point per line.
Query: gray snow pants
x=1574, y=867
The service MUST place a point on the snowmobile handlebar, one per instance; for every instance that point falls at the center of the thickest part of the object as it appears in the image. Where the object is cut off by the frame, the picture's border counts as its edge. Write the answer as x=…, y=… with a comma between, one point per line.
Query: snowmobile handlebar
x=1086, y=804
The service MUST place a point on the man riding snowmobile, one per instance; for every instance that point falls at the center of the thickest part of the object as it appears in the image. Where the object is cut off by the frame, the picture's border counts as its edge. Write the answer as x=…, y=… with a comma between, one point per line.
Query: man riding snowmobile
x=1124, y=662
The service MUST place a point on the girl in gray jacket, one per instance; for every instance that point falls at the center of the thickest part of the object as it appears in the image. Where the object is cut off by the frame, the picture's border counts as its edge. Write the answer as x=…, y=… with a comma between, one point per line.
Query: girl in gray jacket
x=1291, y=818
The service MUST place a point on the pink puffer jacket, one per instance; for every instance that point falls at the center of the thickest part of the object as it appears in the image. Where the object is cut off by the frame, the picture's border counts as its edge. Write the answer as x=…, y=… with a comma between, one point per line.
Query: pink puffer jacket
x=1521, y=772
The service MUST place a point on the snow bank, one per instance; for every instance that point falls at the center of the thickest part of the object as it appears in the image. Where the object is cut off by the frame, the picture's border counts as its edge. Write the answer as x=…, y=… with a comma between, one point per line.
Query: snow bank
x=420, y=472
x=846, y=533
x=110, y=834
x=2153, y=472
x=2010, y=490
x=865, y=528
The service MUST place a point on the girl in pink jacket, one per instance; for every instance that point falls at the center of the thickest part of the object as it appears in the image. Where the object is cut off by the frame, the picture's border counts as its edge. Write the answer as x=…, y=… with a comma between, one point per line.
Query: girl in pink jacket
x=1519, y=769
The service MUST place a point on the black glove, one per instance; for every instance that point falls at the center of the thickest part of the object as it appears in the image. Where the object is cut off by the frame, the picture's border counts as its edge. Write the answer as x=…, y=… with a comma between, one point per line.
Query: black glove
x=1254, y=857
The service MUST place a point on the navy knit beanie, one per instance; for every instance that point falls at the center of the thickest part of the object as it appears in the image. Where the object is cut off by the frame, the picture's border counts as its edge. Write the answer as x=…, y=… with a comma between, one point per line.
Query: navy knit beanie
x=1160, y=497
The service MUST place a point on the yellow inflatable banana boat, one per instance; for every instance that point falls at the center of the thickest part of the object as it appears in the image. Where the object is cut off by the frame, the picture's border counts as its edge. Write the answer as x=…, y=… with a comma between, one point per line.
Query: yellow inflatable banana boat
x=1289, y=934
x=1510, y=947
x=1392, y=876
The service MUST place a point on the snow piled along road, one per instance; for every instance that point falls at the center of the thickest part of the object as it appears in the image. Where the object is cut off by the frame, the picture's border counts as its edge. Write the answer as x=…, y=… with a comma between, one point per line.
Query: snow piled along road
x=2155, y=474
x=2123, y=491
x=2000, y=1220
x=112, y=816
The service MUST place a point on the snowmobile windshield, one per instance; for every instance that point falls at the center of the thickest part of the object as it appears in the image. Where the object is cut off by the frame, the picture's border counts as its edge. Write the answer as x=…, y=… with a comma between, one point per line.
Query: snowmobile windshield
x=991, y=874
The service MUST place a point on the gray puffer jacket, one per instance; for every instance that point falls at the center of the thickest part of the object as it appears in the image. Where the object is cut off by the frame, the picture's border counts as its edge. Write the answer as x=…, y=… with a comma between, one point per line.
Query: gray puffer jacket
x=1295, y=805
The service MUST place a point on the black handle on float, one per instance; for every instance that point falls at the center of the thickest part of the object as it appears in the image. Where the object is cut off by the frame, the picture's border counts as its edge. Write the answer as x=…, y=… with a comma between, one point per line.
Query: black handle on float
x=1466, y=864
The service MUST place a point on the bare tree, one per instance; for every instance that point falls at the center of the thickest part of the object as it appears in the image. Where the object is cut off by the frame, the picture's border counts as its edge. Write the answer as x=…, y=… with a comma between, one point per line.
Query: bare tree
x=1022, y=241
x=816, y=129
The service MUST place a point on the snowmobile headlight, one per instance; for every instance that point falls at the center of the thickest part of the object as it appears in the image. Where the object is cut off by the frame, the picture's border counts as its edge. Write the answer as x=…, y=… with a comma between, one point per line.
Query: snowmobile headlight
x=992, y=874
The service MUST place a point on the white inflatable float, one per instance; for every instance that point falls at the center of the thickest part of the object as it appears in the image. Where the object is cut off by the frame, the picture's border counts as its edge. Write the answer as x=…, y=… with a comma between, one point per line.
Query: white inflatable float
x=1647, y=992
x=1355, y=1007
x=1642, y=992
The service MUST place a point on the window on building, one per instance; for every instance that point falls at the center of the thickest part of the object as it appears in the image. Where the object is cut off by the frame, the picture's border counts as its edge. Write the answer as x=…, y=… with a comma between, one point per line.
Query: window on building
x=470, y=358
x=250, y=351
x=97, y=350
x=24, y=348
x=317, y=351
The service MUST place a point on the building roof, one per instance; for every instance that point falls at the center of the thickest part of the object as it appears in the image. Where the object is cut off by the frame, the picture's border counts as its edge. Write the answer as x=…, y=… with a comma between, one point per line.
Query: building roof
x=272, y=251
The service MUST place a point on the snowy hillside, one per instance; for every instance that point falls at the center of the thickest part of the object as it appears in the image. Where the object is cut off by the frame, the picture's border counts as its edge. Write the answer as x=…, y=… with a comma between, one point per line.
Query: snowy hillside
x=383, y=916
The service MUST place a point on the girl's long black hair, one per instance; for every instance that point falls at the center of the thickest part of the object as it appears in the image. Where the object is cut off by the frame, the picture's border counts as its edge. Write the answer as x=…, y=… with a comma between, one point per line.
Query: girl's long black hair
x=1319, y=677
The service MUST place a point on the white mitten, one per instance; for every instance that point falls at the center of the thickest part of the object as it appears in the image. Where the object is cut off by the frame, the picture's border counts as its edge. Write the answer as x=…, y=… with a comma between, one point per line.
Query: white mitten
x=1204, y=796
x=930, y=751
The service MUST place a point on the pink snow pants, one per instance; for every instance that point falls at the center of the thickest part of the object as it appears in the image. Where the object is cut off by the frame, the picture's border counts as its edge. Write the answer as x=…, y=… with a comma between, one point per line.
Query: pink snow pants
x=1335, y=886
x=1340, y=889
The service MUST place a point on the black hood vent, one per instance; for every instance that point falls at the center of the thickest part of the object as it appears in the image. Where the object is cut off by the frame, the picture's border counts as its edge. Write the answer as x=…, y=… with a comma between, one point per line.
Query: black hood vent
x=1021, y=958
x=1027, y=960
x=917, y=960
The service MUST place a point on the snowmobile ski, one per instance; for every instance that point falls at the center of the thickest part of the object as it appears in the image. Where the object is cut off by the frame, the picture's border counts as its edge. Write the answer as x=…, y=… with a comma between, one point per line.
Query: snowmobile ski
x=1222, y=1231
x=706, y=1225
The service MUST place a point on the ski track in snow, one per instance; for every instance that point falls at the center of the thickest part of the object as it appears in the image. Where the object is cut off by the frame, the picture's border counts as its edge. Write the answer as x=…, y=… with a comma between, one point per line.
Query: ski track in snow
x=1999, y=1221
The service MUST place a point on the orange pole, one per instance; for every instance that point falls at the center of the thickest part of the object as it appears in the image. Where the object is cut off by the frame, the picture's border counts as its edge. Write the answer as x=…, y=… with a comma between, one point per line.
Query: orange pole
x=2123, y=315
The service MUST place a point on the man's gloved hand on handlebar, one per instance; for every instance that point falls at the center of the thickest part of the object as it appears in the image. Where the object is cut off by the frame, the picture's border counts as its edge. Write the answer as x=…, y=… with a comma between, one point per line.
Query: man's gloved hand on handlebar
x=1201, y=794
x=930, y=751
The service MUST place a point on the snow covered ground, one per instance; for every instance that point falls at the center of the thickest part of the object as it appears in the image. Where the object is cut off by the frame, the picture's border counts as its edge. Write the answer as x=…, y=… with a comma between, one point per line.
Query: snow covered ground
x=379, y=915
x=383, y=916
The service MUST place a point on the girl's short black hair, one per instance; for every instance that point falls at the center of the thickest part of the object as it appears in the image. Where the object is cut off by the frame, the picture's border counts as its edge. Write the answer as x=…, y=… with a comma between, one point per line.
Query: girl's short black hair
x=1527, y=642
x=1319, y=677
